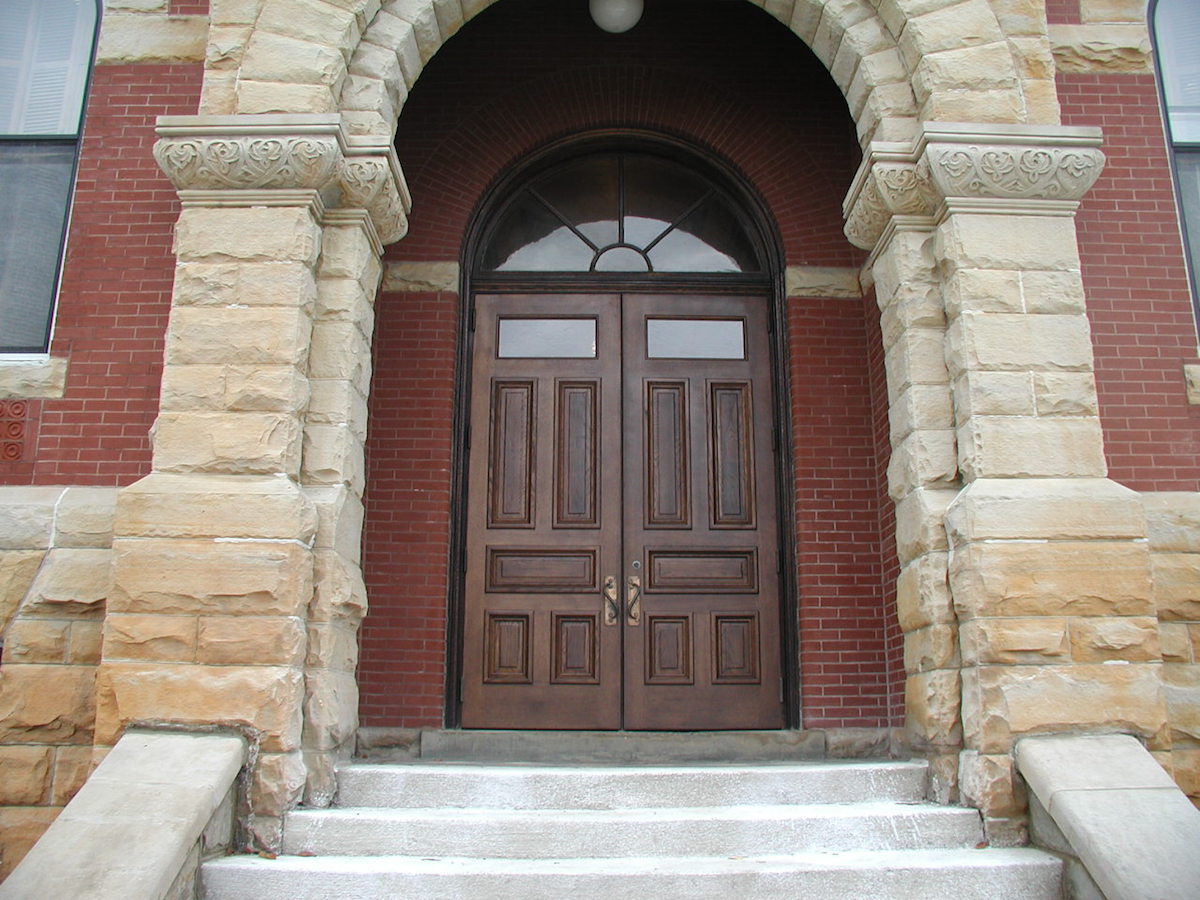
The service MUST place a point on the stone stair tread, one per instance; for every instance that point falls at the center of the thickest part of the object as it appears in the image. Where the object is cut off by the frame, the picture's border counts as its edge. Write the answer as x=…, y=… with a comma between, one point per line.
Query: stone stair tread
x=898, y=875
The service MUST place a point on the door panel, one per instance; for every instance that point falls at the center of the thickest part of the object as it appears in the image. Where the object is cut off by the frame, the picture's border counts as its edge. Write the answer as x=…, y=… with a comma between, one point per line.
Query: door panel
x=621, y=538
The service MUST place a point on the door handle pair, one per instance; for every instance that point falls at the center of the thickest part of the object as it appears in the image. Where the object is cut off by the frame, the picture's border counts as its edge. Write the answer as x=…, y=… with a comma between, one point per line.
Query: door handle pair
x=633, y=601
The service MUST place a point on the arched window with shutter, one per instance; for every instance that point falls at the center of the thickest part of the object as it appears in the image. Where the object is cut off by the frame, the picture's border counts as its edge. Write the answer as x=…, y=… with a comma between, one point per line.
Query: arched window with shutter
x=45, y=58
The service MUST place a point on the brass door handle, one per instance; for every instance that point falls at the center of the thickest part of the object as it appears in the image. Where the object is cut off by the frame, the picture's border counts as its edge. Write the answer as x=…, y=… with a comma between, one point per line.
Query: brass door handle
x=612, y=603
x=633, y=601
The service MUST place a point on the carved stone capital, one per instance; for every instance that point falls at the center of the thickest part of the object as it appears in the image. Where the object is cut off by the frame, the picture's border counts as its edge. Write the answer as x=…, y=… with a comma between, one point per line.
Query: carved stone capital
x=224, y=158
x=889, y=184
x=1007, y=169
x=1013, y=167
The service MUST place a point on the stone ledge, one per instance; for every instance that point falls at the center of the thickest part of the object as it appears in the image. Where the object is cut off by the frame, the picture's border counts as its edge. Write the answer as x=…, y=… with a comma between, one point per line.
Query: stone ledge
x=31, y=379
x=1191, y=375
x=824, y=282
x=130, y=830
x=420, y=277
x=1132, y=828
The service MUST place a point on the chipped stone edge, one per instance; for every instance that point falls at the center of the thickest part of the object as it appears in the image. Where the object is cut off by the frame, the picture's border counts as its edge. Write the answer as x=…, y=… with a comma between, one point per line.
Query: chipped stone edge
x=32, y=379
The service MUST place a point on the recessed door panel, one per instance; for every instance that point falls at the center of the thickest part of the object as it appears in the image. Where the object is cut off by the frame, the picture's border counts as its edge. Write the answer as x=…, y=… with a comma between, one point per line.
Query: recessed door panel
x=621, y=552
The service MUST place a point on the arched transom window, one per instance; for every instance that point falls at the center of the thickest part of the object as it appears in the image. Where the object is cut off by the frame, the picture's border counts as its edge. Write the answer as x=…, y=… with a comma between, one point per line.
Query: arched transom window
x=620, y=212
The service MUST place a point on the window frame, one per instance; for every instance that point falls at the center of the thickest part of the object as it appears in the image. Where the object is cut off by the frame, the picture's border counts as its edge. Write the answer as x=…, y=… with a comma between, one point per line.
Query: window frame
x=21, y=354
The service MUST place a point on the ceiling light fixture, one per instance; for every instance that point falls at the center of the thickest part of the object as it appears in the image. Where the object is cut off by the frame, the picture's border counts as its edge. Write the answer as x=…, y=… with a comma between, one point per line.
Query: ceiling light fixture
x=615, y=16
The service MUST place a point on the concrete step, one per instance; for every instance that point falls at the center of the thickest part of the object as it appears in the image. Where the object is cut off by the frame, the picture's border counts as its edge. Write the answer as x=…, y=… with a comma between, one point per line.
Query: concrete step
x=880, y=875
x=423, y=785
x=625, y=747
x=665, y=831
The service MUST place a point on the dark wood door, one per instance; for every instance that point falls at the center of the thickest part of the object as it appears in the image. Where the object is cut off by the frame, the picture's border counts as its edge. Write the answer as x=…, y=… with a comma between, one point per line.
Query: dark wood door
x=622, y=537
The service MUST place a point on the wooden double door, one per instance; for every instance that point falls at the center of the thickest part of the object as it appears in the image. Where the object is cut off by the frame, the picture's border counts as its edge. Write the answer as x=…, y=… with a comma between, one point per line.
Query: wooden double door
x=622, y=534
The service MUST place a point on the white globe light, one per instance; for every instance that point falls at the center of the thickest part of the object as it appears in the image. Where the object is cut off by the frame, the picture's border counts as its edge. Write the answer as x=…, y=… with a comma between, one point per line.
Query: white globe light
x=615, y=16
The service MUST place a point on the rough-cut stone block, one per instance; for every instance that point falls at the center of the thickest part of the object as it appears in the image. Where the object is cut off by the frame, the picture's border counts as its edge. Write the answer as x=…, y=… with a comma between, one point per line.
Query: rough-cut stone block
x=1012, y=641
x=219, y=506
x=266, y=698
x=85, y=643
x=235, y=443
x=1173, y=521
x=946, y=28
x=251, y=640
x=978, y=393
x=983, y=67
x=27, y=771
x=26, y=379
x=1045, y=508
x=288, y=284
x=989, y=783
x=1002, y=703
x=1029, y=447
x=261, y=336
x=1051, y=578
x=924, y=459
x=321, y=786
x=332, y=645
x=72, y=765
x=338, y=402
x=345, y=300
x=1185, y=765
x=70, y=583
x=1018, y=343
x=304, y=18
x=400, y=37
x=20, y=829
x=422, y=15
x=932, y=701
x=276, y=783
x=330, y=709
x=28, y=520
x=339, y=594
x=84, y=517
x=916, y=306
x=226, y=46
x=37, y=641
x=1176, y=586
x=186, y=577
x=1102, y=48
x=917, y=357
x=1181, y=684
x=126, y=39
x=920, y=523
x=983, y=291
x=259, y=234
x=17, y=571
x=347, y=252
x=989, y=241
x=1097, y=640
x=935, y=647
x=1175, y=639
x=333, y=454
x=47, y=704
x=1065, y=394
x=923, y=593
x=273, y=57
x=150, y=637
x=922, y=406
x=999, y=105
x=213, y=388
x=340, y=351
x=339, y=520
x=1052, y=293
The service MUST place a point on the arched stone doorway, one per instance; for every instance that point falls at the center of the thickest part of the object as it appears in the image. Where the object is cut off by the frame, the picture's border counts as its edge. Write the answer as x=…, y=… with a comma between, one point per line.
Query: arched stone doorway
x=964, y=202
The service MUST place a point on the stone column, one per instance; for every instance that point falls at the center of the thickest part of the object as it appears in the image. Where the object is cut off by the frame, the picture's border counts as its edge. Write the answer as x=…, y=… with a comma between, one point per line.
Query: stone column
x=1048, y=565
x=217, y=551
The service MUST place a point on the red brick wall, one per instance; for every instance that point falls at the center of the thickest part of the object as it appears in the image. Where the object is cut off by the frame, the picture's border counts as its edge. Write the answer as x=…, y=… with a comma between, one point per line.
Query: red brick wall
x=1062, y=12
x=116, y=287
x=1138, y=298
x=733, y=81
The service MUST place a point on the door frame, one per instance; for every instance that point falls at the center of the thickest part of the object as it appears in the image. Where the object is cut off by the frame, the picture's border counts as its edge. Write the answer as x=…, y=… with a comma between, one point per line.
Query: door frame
x=770, y=286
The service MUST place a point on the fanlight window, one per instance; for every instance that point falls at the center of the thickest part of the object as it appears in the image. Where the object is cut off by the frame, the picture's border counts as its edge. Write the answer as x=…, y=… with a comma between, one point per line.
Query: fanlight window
x=620, y=213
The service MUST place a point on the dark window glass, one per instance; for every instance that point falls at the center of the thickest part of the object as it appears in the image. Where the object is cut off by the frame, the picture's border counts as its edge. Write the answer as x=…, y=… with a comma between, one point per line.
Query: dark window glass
x=620, y=212
x=45, y=56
